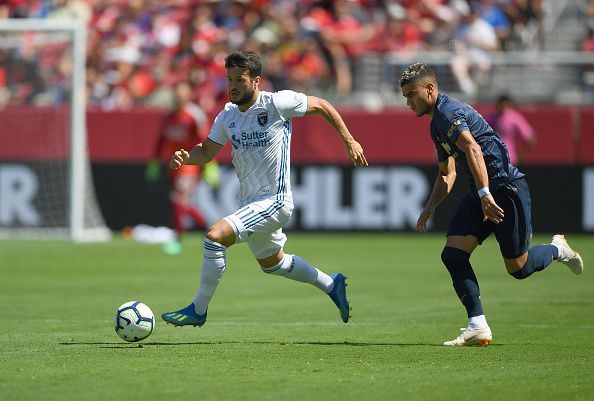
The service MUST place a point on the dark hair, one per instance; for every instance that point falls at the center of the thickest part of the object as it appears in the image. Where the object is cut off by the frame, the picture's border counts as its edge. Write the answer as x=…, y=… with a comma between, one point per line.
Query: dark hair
x=249, y=60
x=415, y=73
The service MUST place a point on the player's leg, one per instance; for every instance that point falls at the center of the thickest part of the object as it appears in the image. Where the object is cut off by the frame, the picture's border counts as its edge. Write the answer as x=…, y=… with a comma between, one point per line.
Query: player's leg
x=466, y=231
x=515, y=231
x=298, y=269
x=218, y=238
x=260, y=224
x=290, y=266
x=267, y=241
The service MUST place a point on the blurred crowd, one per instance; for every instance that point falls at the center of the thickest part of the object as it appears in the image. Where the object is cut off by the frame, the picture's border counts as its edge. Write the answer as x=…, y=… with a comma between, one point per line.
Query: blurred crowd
x=137, y=50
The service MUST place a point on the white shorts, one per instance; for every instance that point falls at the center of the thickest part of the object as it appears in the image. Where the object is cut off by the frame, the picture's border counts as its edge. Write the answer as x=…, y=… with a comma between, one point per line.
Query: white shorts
x=260, y=225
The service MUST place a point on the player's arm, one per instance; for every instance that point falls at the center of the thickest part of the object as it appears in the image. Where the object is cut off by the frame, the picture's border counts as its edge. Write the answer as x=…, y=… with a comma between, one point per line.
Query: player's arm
x=476, y=163
x=444, y=182
x=315, y=105
x=200, y=155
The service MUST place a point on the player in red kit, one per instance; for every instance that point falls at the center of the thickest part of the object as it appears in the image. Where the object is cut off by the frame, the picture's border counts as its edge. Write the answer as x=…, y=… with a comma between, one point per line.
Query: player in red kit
x=184, y=127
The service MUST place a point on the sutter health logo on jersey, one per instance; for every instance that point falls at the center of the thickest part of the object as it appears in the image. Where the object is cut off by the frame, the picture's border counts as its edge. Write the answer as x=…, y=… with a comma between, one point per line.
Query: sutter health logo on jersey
x=248, y=140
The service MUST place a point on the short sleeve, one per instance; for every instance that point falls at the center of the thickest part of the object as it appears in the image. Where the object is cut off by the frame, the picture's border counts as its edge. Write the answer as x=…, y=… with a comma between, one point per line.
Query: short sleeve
x=441, y=154
x=455, y=124
x=217, y=132
x=290, y=104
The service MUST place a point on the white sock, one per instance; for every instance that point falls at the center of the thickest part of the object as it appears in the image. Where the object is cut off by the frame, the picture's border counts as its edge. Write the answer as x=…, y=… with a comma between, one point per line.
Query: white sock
x=477, y=322
x=213, y=267
x=295, y=268
x=560, y=250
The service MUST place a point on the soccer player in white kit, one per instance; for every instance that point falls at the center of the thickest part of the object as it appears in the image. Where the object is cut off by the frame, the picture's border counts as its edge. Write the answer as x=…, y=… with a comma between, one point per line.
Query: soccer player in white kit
x=258, y=124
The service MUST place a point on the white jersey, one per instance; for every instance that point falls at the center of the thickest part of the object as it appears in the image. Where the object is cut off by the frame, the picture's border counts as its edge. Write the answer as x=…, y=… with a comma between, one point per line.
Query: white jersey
x=261, y=143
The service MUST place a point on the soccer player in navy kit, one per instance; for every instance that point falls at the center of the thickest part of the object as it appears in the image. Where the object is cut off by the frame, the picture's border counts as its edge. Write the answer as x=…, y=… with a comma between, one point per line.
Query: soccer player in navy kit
x=499, y=200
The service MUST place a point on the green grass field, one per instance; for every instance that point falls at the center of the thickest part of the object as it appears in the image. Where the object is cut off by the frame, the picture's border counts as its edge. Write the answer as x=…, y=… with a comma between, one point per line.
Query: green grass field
x=268, y=338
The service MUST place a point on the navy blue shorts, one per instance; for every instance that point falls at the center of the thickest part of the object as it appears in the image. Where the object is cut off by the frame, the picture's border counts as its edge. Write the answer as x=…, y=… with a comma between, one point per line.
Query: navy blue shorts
x=513, y=233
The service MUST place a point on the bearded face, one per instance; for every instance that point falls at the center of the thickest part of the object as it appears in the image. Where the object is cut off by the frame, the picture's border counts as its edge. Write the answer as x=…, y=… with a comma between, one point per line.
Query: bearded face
x=240, y=86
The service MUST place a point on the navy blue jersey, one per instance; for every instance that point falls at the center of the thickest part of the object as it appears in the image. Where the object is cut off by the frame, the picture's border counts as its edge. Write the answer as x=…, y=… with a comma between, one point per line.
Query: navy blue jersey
x=450, y=118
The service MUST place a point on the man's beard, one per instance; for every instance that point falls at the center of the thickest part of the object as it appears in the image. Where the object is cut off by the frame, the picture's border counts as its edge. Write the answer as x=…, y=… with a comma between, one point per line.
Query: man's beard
x=424, y=110
x=245, y=98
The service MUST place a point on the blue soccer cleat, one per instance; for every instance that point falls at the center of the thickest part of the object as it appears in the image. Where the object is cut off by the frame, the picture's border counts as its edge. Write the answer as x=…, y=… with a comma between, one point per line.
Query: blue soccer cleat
x=338, y=296
x=185, y=317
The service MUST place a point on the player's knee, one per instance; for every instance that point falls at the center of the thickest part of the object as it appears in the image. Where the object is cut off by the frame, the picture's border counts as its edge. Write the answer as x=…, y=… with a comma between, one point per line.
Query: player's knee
x=276, y=265
x=515, y=268
x=215, y=234
x=454, y=257
x=221, y=232
x=519, y=274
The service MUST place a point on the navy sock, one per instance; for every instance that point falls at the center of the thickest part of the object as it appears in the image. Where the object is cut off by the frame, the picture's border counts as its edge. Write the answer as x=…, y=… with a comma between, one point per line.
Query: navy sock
x=463, y=279
x=539, y=257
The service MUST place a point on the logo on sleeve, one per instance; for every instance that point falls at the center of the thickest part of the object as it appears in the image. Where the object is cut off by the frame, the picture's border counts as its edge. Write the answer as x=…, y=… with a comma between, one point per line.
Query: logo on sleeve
x=453, y=127
x=263, y=119
x=448, y=150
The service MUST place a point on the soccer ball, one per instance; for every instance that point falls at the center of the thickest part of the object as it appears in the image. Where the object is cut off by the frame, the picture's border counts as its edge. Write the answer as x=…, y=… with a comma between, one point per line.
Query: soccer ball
x=134, y=321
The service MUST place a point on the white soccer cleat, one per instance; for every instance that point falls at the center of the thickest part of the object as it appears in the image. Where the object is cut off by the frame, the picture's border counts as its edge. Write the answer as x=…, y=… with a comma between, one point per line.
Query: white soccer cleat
x=568, y=256
x=470, y=337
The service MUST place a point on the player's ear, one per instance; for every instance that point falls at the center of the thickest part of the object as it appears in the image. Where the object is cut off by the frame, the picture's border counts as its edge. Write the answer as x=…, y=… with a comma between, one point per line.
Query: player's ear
x=256, y=81
x=430, y=88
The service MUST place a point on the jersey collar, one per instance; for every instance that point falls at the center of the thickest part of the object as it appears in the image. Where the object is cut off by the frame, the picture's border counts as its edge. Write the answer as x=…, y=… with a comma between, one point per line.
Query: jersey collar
x=252, y=107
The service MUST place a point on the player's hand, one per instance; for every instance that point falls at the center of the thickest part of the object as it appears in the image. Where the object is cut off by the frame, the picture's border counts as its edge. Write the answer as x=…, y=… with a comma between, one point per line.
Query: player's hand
x=424, y=217
x=153, y=170
x=355, y=152
x=178, y=159
x=491, y=210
